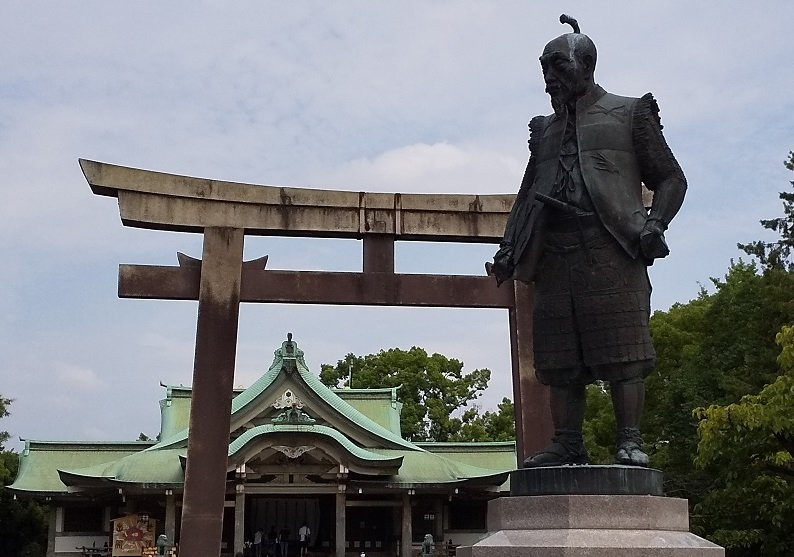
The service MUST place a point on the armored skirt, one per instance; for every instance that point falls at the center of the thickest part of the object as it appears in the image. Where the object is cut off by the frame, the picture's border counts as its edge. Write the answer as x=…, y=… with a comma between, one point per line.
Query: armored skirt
x=592, y=305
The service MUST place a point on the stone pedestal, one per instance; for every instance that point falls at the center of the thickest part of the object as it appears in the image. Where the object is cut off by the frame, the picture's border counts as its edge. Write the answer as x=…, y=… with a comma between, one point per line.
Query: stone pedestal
x=586, y=480
x=589, y=525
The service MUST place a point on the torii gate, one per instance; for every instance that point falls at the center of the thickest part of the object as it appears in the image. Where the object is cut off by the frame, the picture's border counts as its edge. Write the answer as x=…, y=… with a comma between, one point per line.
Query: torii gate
x=224, y=212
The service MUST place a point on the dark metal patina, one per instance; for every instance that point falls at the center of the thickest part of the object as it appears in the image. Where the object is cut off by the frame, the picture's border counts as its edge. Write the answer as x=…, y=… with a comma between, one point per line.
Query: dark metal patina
x=580, y=232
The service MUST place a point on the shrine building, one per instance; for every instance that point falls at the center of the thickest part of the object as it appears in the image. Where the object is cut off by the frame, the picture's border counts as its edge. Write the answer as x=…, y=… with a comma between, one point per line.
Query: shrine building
x=298, y=452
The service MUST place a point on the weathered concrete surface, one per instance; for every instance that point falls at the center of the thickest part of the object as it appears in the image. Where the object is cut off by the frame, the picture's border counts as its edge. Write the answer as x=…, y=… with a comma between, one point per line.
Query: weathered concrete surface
x=636, y=512
x=322, y=287
x=590, y=526
x=159, y=200
x=171, y=202
x=224, y=212
x=213, y=381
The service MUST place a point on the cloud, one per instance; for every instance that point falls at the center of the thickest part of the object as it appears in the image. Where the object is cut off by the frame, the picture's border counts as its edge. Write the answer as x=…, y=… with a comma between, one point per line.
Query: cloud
x=72, y=376
x=431, y=168
x=405, y=97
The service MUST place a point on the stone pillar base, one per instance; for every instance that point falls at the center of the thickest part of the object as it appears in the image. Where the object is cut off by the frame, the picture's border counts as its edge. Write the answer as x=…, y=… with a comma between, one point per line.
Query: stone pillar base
x=590, y=526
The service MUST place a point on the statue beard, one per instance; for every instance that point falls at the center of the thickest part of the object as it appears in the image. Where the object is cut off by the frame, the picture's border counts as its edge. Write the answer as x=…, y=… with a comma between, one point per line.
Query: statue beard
x=568, y=92
x=558, y=102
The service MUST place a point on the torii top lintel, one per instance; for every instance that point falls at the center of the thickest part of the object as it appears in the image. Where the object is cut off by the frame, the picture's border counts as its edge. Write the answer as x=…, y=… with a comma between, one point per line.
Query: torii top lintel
x=163, y=201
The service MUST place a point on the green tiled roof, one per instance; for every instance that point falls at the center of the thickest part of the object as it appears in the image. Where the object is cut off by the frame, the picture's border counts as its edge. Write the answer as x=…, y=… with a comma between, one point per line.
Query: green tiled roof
x=498, y=455
x=48, y=467
x=40, y=461
x=150, y=468
x=429, y=468
x=312, y=381
x=380, y=405
x=321, y=430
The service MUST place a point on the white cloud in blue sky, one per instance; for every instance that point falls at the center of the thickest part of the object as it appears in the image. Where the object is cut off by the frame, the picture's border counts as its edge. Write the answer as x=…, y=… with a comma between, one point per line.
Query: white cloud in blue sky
x=405, y=96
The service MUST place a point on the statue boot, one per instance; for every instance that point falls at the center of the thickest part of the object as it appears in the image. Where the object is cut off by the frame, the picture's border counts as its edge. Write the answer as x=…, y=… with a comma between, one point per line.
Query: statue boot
x=566, y=448
x=629, y=449
x=567, y=413
x=628, y=399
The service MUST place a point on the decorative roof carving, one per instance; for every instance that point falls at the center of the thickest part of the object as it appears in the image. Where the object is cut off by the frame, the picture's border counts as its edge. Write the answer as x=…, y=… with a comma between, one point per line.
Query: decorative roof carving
x=294, y=415
x=293, y=452
x=288, y=400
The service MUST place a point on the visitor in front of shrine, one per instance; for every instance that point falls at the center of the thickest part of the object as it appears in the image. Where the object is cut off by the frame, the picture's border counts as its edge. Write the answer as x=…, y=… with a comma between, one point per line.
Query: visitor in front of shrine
x=258, y=543
x=283, y=542
x=304, y=533
x=272, y=541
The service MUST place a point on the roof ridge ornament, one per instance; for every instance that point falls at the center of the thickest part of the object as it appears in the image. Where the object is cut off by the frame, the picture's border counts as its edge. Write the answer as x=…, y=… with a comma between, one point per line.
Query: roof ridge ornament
x=564, y=18
x=288, y=400
x=293, y=452
x=294, y=416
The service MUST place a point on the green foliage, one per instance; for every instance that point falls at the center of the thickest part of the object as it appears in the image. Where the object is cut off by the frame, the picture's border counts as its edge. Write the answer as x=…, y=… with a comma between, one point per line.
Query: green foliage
x=712, y=350
x=489, y=426
x=673, y=390
x=778, y=254
x=6, y=471
x=23, y=524
x=720, y=375
x=23, y=527
x=749, y=447
x=599, y=426
x=431, y=387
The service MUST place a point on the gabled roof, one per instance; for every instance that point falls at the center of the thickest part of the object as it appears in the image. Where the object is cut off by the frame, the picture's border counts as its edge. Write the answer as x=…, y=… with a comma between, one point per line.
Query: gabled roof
x=289, y=361
x=287, y=406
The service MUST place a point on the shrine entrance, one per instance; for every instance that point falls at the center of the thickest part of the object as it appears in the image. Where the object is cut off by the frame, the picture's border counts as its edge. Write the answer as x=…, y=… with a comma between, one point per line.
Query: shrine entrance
x=280, y=517
x=224, y=212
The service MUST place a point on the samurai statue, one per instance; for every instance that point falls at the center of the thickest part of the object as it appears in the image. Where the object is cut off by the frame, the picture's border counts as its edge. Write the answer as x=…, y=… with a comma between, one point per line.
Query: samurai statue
x=580, y=232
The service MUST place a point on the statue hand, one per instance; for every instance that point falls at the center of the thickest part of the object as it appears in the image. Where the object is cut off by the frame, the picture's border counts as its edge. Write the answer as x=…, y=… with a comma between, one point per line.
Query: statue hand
x=652, y=243
x=502, y=266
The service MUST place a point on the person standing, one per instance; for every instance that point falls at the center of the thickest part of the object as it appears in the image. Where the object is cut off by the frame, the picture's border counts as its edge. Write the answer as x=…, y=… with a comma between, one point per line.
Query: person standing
x=272, y=541
x=258, y=543
x=304, y=533
x=283, y=542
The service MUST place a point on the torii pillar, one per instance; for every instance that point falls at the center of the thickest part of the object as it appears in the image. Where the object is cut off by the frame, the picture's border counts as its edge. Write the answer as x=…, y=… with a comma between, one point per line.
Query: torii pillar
x=224, y=212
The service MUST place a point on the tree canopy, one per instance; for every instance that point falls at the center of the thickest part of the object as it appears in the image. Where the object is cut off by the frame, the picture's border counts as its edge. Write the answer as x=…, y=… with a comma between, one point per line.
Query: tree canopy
x=748, y=446
x=718, y=416
x=432, y=388
x=780, y=253
x=499, y=425
x=23, y=524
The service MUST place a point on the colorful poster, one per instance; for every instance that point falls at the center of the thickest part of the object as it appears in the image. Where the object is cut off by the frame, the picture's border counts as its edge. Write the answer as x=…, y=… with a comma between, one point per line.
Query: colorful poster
x=131, y=534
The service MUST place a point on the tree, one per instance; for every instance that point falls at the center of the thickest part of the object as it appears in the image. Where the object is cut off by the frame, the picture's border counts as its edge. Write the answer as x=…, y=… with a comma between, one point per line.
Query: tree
x=432, y=388
x=489, y=426
x=749, y=447
x=780, y=253
x=712, y=350
x=599, y=427
x=717, y=361
x=23, y=524
x=5, y=472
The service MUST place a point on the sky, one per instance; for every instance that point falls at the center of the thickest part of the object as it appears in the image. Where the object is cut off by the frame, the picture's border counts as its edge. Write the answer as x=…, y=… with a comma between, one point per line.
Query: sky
x=406, y=96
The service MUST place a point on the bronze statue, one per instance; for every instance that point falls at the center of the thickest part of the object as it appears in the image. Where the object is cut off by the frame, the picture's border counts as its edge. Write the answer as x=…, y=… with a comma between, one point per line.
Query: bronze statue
x=579, y=231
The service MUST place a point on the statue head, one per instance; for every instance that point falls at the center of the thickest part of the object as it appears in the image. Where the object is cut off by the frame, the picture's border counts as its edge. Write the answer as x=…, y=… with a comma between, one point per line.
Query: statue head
x=568, y=64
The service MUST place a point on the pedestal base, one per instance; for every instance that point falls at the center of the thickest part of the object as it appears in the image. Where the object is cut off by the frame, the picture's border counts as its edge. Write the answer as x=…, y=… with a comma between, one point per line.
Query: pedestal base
x=590, y=526
x=586, y=480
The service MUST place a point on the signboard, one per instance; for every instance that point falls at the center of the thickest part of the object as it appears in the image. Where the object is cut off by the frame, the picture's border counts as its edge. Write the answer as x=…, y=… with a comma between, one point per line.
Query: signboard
x=131, y=535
